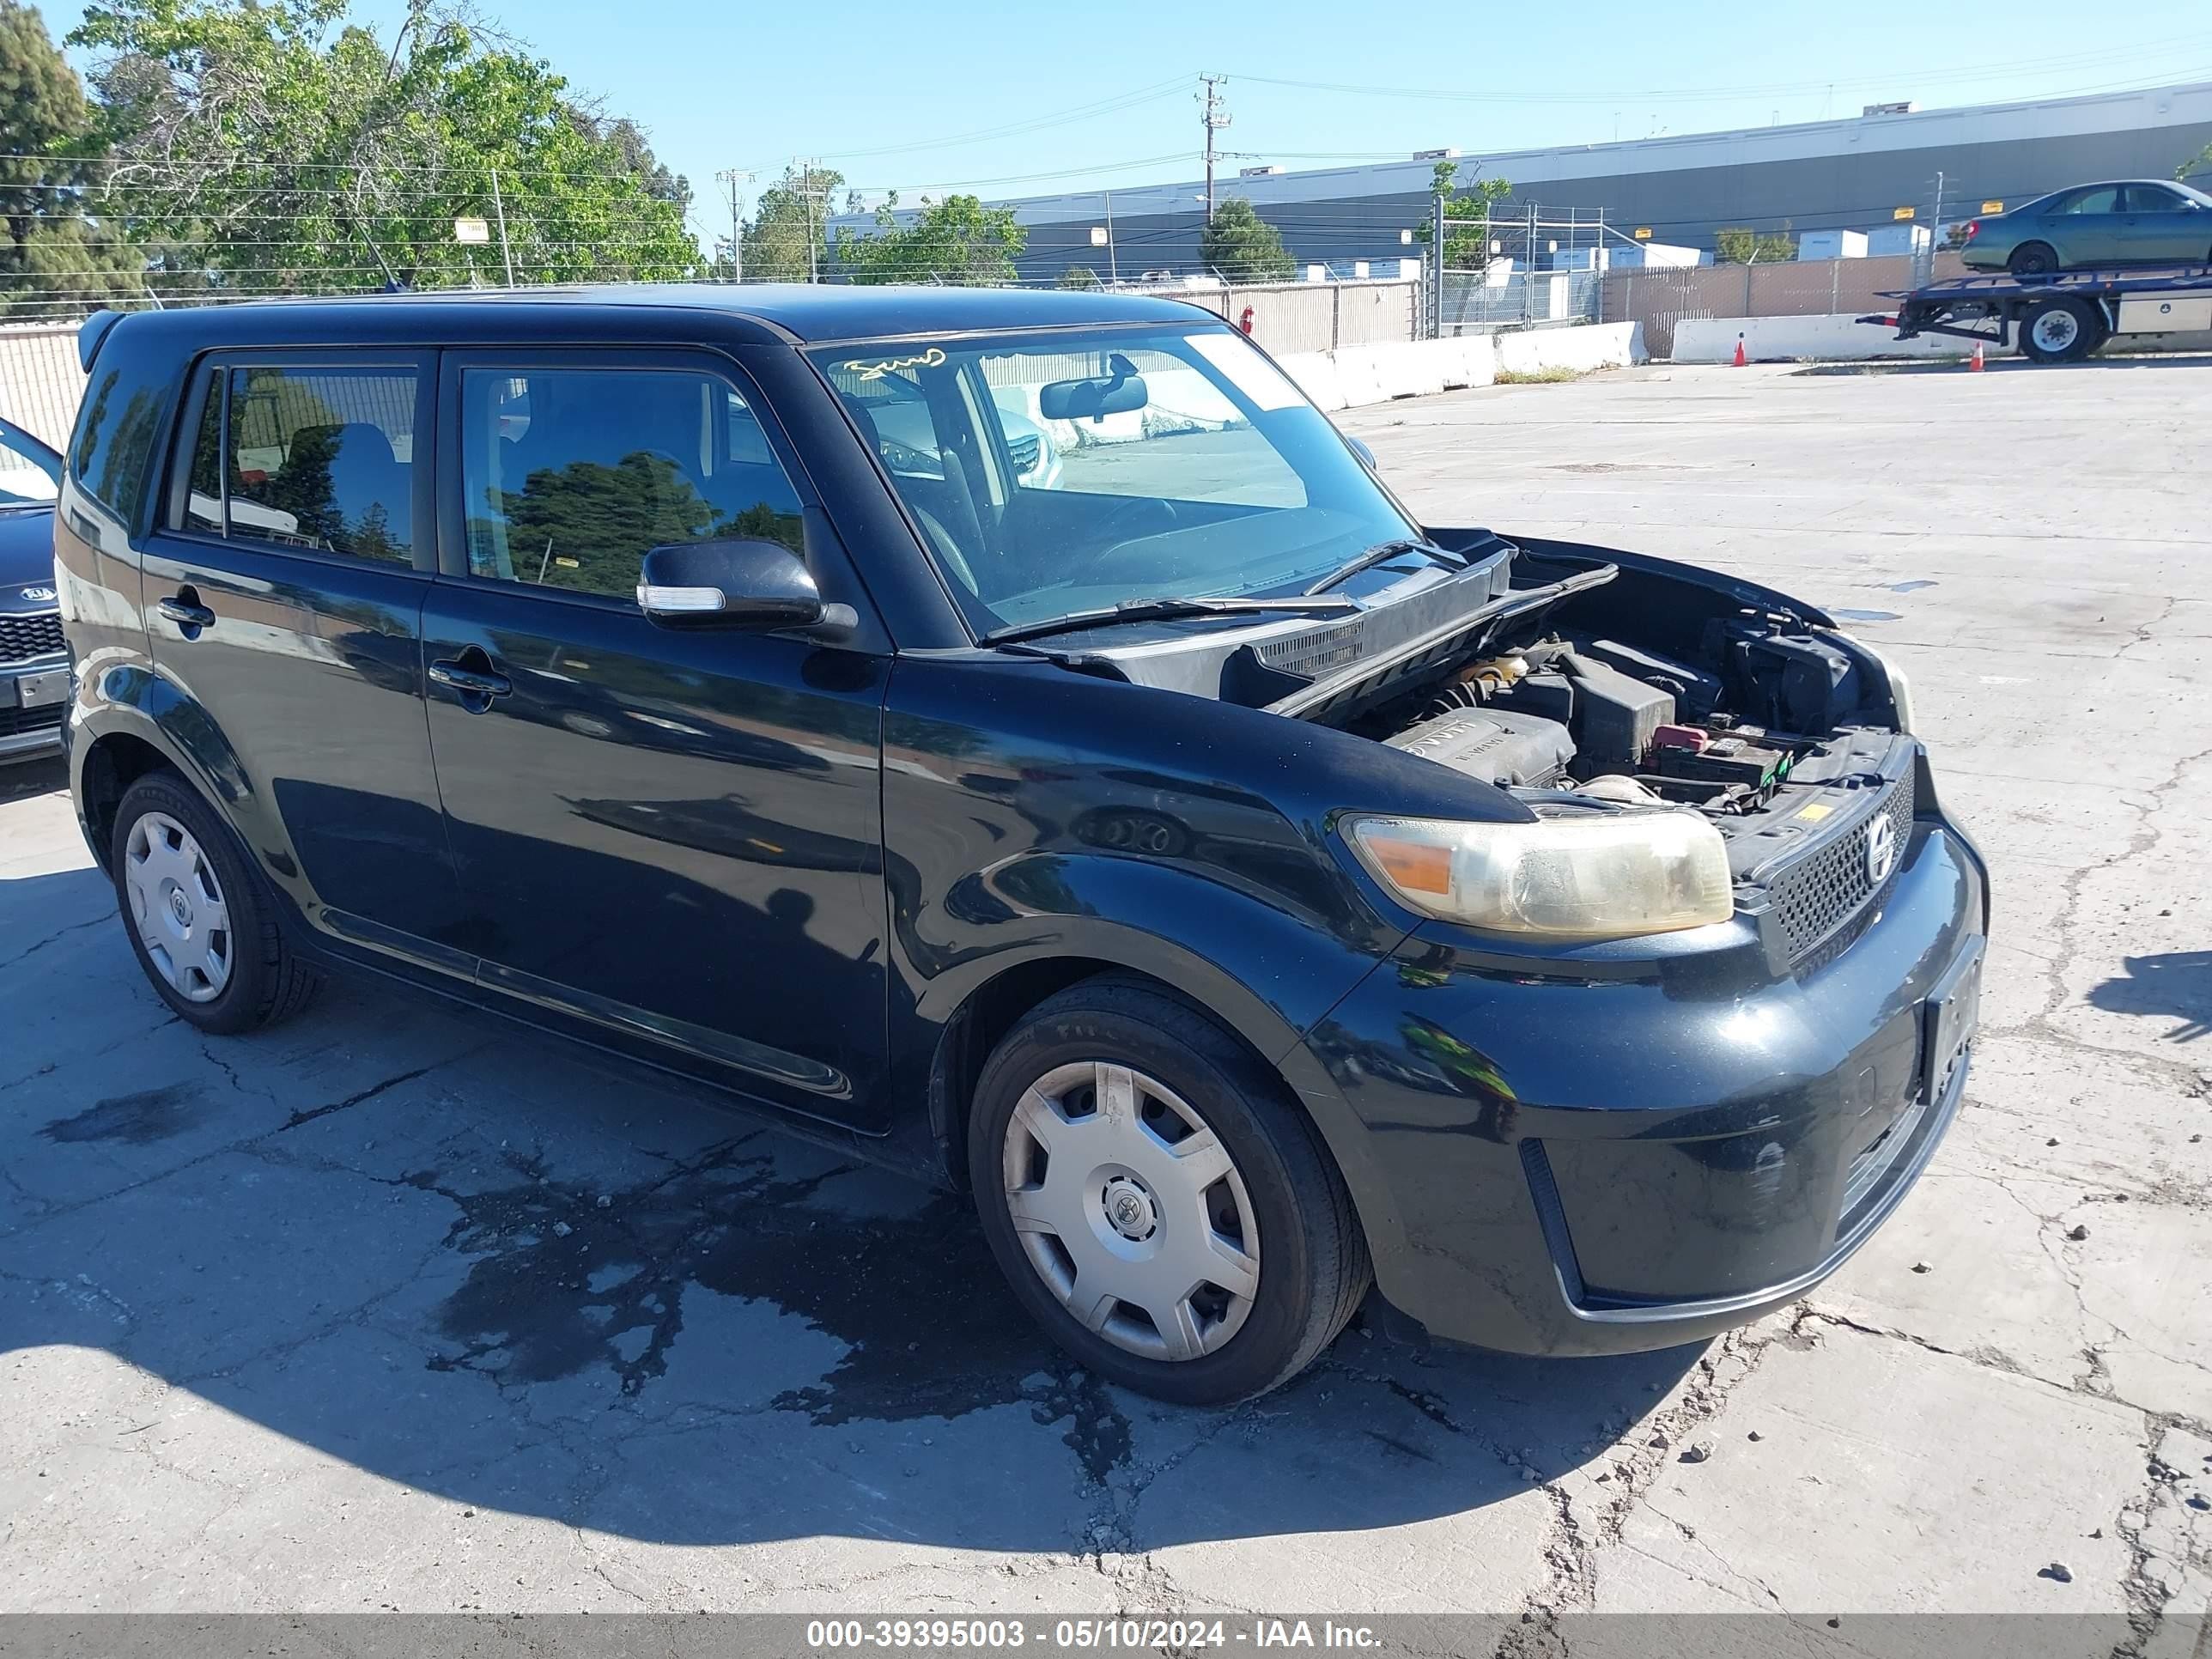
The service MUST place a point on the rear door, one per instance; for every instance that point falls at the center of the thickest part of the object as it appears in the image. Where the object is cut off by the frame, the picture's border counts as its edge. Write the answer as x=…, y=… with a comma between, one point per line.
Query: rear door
x=2087, y=227
x=2164, y=227
x=284, y=588
x=674, y=836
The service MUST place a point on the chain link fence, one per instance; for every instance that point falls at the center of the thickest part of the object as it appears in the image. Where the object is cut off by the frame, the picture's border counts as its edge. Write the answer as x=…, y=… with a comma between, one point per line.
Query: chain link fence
x=1659, y=299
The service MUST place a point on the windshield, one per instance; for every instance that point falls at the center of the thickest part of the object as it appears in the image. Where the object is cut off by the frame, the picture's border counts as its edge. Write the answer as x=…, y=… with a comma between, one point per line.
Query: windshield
x=30, y=473
x=1068, y=470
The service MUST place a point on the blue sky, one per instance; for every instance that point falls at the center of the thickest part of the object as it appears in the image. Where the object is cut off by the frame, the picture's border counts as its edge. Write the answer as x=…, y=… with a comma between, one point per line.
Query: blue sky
x=1089, y=97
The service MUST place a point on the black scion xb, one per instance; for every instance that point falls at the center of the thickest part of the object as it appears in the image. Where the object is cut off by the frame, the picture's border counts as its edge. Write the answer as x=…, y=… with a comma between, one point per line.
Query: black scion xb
x=1016, y=737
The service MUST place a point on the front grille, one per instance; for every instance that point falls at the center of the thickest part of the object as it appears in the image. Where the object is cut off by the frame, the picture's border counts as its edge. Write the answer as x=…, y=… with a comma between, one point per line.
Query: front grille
x=1820, y=896
x=22, y=638
x=1024, y=452
x=14, y=722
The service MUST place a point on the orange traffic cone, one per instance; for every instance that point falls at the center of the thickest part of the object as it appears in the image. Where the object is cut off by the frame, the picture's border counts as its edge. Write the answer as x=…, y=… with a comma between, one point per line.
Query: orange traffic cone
x=1741, y=360
x=1975, y=365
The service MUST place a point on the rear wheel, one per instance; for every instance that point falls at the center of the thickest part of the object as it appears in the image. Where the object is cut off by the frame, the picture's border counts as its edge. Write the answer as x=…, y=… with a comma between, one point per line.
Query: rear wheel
x=203, y=924
x=2033, y=259
x=2063, y=330
x=1156, y=1201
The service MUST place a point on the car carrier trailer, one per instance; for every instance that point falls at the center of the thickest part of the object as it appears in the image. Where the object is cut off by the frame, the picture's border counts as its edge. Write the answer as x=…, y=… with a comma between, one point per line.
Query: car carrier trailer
x=2057, y=319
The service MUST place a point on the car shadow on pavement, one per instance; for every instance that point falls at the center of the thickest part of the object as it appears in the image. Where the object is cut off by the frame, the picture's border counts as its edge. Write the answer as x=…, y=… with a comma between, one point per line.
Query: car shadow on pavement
x=2172, y=985
x=486, y=1266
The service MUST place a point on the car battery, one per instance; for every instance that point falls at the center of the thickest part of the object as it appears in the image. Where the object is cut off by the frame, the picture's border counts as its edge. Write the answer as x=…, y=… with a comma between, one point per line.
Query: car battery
x=1724, y=760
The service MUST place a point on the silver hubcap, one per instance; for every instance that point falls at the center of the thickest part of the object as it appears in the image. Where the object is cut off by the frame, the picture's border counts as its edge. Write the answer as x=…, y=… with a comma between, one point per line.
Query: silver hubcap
x=1131, y=1211
x=176, y=905
x=2057, y=330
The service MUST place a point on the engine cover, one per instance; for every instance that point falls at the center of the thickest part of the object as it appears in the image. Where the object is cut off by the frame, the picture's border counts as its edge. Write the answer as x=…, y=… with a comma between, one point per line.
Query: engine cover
x=1491, y=744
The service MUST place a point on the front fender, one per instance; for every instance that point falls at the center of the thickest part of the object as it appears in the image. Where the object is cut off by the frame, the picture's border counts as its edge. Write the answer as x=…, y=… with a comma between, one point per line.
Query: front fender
x=1261, y=971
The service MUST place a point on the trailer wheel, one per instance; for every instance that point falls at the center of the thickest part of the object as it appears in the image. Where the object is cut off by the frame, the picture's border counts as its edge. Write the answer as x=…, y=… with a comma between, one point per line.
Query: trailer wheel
x=2033, y=259
x=2063, y=330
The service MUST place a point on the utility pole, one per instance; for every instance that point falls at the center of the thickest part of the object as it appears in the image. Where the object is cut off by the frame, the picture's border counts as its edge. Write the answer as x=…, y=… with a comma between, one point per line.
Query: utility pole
x=733, y=178
x=1213, y=117
x=1113, y=262
x=807, y=174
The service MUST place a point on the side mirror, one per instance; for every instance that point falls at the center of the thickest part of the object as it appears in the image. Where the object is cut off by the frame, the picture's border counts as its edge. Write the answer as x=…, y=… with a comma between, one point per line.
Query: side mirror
x=1366, y=455
x=732, y=583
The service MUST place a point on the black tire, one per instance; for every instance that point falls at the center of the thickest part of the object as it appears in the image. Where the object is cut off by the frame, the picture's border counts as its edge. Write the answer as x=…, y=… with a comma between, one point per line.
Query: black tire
x=2033, y=259
x=1314, y=1264
x=268, y=980
x=2065, y=330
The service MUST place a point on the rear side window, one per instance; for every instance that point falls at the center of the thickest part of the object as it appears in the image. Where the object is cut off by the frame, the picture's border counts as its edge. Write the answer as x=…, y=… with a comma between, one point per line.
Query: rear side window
x=2105, y=199
x=319, y=459
x=571, y=475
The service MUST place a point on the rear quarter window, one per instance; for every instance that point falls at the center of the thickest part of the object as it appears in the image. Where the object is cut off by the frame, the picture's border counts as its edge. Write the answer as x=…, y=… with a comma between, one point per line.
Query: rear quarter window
x=111, y=451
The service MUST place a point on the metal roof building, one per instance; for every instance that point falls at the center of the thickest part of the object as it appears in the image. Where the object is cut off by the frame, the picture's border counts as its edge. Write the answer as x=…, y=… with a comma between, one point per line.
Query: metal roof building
x=1851, y=174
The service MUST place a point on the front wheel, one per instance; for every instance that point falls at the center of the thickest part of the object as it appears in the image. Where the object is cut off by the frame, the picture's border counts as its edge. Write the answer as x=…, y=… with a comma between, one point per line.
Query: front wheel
x=1157, y=1202
x=2063, y=330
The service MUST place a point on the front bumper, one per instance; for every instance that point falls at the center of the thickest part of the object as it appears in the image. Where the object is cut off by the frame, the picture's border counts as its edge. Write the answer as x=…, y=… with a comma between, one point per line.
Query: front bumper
x=1617, y=1154
x=34, y=701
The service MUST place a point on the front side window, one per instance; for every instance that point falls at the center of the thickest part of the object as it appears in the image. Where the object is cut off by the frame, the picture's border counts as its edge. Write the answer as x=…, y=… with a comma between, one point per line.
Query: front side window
x=570, y=476
x=2154, y=199
x=317, y=458
x=1057, y=472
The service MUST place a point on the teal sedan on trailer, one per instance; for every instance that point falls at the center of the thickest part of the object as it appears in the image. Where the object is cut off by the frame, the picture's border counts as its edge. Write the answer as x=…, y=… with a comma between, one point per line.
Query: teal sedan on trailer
x=2134, y=222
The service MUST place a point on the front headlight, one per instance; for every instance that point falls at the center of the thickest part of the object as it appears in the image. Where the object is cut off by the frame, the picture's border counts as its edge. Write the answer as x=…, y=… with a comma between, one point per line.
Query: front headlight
x=1605, y=876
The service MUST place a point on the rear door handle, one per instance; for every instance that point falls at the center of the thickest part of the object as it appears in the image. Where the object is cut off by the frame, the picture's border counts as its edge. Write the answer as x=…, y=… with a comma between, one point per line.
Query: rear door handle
x=469, y=682
x=188, y=614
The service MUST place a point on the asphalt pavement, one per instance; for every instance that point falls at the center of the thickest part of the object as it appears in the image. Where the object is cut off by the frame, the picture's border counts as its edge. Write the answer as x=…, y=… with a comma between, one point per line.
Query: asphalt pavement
x=398, y=1308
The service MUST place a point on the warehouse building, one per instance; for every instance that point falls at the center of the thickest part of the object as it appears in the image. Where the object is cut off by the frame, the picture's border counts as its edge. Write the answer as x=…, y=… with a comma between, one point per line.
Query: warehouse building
x=1862, y=174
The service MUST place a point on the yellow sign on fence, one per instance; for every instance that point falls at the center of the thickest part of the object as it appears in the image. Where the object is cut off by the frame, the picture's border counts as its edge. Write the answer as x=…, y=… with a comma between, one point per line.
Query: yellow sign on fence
x=1901, y=213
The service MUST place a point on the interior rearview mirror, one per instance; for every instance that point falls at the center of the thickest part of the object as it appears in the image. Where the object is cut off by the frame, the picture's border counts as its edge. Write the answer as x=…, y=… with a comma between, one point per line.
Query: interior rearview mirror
x=737, y=582
x=1122, y=391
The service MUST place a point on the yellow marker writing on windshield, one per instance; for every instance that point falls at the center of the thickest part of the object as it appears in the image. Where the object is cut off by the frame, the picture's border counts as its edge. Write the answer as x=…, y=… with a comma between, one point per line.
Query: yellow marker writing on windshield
x=929, y=359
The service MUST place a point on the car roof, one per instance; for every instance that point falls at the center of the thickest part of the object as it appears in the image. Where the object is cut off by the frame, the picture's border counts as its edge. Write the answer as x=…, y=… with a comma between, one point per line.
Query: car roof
x=799, y=312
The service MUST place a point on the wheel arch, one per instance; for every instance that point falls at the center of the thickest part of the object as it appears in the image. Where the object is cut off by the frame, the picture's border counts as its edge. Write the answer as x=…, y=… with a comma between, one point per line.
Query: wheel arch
x=971, y=1019
x=105, y=767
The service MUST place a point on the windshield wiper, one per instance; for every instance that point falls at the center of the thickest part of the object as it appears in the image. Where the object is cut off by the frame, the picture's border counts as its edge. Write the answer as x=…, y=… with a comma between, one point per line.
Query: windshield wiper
x=1157, y=609
x=1381, y=553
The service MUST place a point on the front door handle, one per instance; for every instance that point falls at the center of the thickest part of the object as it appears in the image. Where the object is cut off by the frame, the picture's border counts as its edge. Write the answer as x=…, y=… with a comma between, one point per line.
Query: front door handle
x=187, y=612
x=470, y=682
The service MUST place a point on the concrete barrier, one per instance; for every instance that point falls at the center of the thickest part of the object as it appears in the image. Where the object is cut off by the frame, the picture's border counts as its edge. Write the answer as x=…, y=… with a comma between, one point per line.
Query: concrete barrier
x=1592, y=345
x=1790, y=339
x=1316, y=375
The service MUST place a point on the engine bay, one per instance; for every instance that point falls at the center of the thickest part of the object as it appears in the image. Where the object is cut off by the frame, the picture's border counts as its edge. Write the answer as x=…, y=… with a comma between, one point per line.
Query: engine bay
x=1580, y=680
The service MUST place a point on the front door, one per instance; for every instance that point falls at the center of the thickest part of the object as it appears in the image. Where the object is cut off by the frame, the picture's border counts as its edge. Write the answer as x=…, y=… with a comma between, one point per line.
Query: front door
x=674, y=836
x=283, y=588
x=2164, y=228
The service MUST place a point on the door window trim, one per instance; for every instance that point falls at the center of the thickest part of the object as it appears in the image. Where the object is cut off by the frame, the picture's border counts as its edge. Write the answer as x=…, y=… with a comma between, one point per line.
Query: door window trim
x=451, y=563
x=176, y=488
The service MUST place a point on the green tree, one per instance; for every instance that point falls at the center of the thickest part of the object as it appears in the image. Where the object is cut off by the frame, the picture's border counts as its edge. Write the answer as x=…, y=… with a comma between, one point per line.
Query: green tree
x=1243, y=247
x=1739, y=245
x=787, y=221
x=1079, y=276
x=2200, y=162
x=281, y=146
x=956, y=241
x=57, y=259
x=1467, y=210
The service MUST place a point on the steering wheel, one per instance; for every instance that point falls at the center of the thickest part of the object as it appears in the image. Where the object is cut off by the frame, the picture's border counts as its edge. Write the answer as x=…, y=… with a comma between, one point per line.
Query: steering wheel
x=1112, y=541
